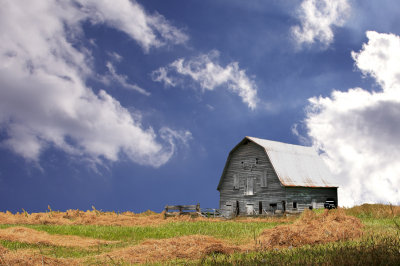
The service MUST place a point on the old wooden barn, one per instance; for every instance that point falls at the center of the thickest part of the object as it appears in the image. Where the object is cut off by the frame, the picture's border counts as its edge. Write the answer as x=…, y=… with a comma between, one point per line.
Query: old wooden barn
x=263, y=176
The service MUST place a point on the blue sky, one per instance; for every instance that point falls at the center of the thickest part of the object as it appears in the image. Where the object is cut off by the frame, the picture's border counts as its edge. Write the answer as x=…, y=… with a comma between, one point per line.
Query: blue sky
x=132, y=105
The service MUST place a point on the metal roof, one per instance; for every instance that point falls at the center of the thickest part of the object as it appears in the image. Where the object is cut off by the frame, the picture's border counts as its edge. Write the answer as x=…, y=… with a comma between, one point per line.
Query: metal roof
x=295, y=165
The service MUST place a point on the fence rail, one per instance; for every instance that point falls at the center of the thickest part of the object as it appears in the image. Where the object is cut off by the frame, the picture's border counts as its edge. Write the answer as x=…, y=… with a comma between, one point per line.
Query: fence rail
x=210, y=212
x=191, y=209
x=182, y=209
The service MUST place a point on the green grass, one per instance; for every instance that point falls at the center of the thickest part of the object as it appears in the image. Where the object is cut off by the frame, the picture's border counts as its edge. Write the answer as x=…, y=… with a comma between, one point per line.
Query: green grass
x=56, y=251
x=372, y=250
x=379, y=246
x=235, y=231
x=382, y=222
x=14, y=245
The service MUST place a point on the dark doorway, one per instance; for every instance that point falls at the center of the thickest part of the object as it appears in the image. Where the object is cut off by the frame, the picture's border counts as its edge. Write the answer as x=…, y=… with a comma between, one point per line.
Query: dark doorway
x=284, y=206
x=273, y=207
x=260, y=207
x=332, y=200
x=237, y=210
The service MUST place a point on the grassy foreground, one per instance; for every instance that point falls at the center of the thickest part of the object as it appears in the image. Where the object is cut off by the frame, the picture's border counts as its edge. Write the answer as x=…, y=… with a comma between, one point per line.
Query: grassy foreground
x=378, y=245
x=372, y=250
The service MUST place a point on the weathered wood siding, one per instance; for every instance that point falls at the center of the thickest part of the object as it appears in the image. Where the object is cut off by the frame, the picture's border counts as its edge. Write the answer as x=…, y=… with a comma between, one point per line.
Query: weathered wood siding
x=248, y=154
x=305, y=196
x=249, y=160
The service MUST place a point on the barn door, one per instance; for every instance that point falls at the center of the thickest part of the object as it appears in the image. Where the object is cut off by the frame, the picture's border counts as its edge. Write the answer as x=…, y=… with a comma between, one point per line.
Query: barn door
x=250, y=209
x=229, y=209
x=314, y=203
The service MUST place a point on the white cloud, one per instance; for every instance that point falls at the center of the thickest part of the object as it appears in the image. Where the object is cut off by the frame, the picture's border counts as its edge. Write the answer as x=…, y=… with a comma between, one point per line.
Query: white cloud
x=122, y=80
x=209, y=74
x=115, y=56
x=318, y=17
x=359, y=130
x=43, y=97
x=129, y=17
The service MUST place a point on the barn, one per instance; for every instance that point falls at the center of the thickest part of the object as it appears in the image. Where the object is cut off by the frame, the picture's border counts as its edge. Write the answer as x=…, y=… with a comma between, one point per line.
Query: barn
x=263, y=177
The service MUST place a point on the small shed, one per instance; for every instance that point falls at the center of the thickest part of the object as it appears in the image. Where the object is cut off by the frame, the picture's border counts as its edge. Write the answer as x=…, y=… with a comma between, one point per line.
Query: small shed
x=263, y=176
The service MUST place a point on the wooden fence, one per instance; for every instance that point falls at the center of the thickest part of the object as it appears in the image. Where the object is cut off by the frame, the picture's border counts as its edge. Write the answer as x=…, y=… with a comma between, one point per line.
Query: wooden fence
x=182, y=209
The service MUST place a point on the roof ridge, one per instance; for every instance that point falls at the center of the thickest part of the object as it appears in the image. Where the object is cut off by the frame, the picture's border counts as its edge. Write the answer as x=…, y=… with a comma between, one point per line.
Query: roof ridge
x=282, y=143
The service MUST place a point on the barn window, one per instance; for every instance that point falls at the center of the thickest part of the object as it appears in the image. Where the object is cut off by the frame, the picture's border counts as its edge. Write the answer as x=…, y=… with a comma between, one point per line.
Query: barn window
x=235, y=182
x=294, y=205
x=256, y=160
x=249, y=186
x=264, y=179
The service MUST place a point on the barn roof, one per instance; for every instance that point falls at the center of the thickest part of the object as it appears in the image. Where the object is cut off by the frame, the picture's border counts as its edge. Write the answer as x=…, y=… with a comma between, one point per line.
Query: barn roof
x=295, y=165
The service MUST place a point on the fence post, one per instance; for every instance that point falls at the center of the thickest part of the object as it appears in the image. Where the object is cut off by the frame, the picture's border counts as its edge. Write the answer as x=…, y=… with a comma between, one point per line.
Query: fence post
x=166, y=211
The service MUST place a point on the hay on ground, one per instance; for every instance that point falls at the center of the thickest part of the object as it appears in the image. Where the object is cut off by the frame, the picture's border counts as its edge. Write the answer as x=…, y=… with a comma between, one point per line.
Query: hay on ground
x=95, y=217
x=3, y=250
x=311, y=228
x=28, y=257
x=184, y=247
x=31, y=236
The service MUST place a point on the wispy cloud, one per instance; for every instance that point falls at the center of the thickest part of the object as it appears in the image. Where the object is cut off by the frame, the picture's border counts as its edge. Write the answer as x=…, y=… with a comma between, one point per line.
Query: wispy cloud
x=209, y=74
x=115, y=56
x=122, y=80
x=44, y=101
x=359, y=130
x=317, y=18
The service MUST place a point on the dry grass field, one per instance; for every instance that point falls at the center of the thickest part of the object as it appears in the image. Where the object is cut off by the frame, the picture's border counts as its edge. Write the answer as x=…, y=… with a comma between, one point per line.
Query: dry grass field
x=367, y=234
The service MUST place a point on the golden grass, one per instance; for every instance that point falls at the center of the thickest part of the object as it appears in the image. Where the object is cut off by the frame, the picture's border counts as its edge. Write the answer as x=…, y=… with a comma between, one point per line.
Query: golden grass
x=309, y=229
x=95, y=217
x=3, y=250
x=312, y=228
x=28, y=257
x=185, y=247
x=31, y=236
x=374, y=211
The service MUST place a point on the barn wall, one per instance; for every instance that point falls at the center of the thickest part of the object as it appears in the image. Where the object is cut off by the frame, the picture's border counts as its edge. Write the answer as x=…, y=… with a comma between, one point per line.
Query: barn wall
x=273, y=193
x=304, y=196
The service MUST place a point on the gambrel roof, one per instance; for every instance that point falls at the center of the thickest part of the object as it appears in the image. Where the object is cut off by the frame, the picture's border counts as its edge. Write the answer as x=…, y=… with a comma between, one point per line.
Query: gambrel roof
x=295, y=165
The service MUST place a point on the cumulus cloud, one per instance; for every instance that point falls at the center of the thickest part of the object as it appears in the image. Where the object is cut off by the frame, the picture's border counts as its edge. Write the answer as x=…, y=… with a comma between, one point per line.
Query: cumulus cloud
x=359, y=130
x=209, y=74
x=317, y=18
x=130, y=17
x=44, y=100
